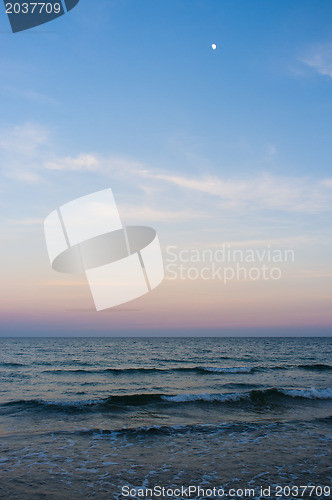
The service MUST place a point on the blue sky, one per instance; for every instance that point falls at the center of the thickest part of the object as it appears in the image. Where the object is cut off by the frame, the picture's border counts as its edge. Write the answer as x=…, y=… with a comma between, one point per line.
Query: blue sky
x=232, y=144
x=136, y=77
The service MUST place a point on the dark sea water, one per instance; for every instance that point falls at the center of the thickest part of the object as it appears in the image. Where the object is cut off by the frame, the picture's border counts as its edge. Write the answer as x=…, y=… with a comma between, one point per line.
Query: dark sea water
x=81, y=418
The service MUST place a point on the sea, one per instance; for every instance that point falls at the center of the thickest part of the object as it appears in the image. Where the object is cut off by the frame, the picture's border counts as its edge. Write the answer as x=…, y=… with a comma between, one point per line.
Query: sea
x=115, y=418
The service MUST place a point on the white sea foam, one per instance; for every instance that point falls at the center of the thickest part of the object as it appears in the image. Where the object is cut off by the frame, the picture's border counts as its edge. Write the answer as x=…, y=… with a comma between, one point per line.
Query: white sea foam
x=312, y=393
x=183, y=398
x=239, y=369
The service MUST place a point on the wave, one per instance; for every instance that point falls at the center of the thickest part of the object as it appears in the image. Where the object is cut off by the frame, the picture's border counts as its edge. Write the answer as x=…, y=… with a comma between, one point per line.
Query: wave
x=207, y=397
x=167, y=430
x=117, y=402
x=198, y=369
x=184, y=360
x=266, y=395
x=316, y=367
x=183, y=369
x=325, y=420
x=11, y=365
x=239, y=369
x=312, y=393
x=62, y=363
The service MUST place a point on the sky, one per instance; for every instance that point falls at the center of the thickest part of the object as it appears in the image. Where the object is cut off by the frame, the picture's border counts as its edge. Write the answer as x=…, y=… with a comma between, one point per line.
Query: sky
x=226, y=148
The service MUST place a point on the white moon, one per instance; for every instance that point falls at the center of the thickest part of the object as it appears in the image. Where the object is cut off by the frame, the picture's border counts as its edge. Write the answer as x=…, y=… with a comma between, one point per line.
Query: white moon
x=214, y=46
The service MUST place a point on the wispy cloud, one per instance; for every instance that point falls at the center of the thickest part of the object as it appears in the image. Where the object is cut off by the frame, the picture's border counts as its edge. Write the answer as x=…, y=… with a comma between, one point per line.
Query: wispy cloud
x=319, y=58
x=28, y=94
x=82, y=162
x=150, y=214
x=25, y=139
x=262, y=192
x=27, y=154
x=21, y=150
